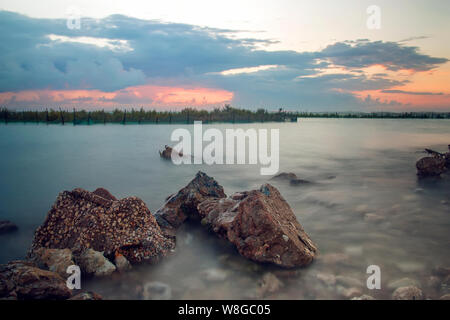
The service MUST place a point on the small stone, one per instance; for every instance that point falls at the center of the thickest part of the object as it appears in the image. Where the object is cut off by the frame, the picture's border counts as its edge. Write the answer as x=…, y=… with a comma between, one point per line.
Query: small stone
x=122, y=264
x=269, y=284
x=7, y=226
x=94, y=263
x=156, y=291
x=407, y=293
x=87, y=296
x=364, y=297
x=445, y=297
x=327, y=278
x=349, y=292
x=214, y=275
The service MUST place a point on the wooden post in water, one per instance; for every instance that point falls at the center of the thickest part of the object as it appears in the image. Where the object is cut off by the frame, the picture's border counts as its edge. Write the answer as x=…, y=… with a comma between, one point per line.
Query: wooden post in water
x=187, y=117
x=5, y=114
x=234, y=117
x=74, y=117
x=46, y=116
x=156, y=120
x=124, y=120
x=104, y=116
x=62, y=116
x=89, y=118
x=170, y=117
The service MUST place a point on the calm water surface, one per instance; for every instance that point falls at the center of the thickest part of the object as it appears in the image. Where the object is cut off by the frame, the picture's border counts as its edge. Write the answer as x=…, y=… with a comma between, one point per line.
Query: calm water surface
x=366, y=205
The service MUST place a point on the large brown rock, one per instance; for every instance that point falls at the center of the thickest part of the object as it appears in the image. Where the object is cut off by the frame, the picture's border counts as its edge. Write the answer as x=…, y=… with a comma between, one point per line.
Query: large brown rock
x=23, y=280
x=80, y=220
x=180, y=206
x=262, y=226
x=431, y=166
x=56, y=260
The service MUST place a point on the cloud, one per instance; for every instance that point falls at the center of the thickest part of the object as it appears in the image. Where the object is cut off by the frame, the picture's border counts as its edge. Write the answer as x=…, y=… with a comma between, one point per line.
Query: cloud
x=393, y=56
x=413, y=92
x=117, y=54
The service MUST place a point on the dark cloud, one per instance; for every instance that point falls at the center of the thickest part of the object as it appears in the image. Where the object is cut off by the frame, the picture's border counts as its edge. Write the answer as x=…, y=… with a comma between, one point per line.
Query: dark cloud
x=392, y=55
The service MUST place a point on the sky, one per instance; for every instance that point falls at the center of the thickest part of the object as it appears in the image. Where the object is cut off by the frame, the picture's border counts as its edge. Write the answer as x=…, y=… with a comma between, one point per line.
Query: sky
x=348, y=55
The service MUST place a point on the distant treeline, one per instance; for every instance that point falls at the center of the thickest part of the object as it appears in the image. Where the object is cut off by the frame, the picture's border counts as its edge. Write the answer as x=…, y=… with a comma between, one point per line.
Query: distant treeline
x=189, y=115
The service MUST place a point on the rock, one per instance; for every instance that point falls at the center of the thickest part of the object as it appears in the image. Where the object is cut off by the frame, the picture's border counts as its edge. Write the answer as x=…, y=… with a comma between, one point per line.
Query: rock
x=445, y=297
x=349, y=281
x=56, y=260
x=349, y=293
x=122, y=264
x=87, y=296
x=257, y=222
x=80, y=220
x=334, y=258
x=291, y=177
x=404, y=282
x=94, y=263
x=269, y=284
x=22, y=280
x=180, y=206
x=214, y=275
x=364, y=297
x=407, y=293
x=327, y=278
x=373, y=217
x=430, y=166
x=7, y=226
x=156, y=291
x=167, y=153
x=410, y=266
x=441, y=271
x=104, y=194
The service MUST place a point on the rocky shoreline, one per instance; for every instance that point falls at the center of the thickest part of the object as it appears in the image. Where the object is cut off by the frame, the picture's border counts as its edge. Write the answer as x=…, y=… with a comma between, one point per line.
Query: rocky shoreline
x=103, y=235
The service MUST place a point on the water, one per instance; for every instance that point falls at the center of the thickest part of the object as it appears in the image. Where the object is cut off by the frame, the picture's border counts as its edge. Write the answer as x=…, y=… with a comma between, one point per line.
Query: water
x=358, y=166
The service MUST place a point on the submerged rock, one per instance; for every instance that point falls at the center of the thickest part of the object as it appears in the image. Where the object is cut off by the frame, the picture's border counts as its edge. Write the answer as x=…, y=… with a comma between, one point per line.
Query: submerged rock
x=262, y=226
x=407, y=293
x=291, y=178
x=180, y=206
x=80, y=220
x=94, y=263
x=7, y=226
x=269, y=284
x=156, y=291
x=364, y=297
x=56, y=260
x=23, y=280
x=214, y=275
x=87, y=296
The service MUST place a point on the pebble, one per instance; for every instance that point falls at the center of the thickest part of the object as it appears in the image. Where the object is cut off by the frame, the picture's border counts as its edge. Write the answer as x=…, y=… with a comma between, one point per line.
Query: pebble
x=407, y=293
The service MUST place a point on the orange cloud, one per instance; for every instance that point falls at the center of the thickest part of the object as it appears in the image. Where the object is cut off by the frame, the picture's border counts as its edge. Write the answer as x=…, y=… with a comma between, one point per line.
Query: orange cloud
x=145, y=95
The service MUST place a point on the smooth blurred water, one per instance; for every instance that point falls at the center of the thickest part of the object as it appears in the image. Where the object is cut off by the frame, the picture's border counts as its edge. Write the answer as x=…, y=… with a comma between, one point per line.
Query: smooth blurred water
x=358, y=166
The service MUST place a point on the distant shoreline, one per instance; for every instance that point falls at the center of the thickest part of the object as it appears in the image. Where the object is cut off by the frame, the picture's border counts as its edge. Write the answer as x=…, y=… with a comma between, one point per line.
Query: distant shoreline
x=187, y=116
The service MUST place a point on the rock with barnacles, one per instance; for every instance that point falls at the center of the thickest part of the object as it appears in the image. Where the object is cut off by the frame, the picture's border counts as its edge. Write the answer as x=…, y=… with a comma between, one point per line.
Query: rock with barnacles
x=22, y=280
x=81, y=220
x=180, y=206
x=262, y=226
x=434, y=165
x=7, y=226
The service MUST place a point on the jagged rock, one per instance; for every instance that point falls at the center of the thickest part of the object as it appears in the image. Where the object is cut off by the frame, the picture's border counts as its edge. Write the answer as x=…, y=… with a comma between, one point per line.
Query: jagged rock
x=94, y=263
x=87, y=296
x=430, y=166
x=261, y=224
x=7, y=226
x=104, y=194
x=291, y=177
x=156, y=291
x=56, y=260
x=23, y=280
x=80, y=220
x=180, y=206
x=122, y=264
x=407, y=293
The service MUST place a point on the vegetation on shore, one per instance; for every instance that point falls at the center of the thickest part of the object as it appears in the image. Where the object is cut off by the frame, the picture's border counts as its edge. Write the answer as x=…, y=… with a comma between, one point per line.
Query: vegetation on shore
x=189, y=115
